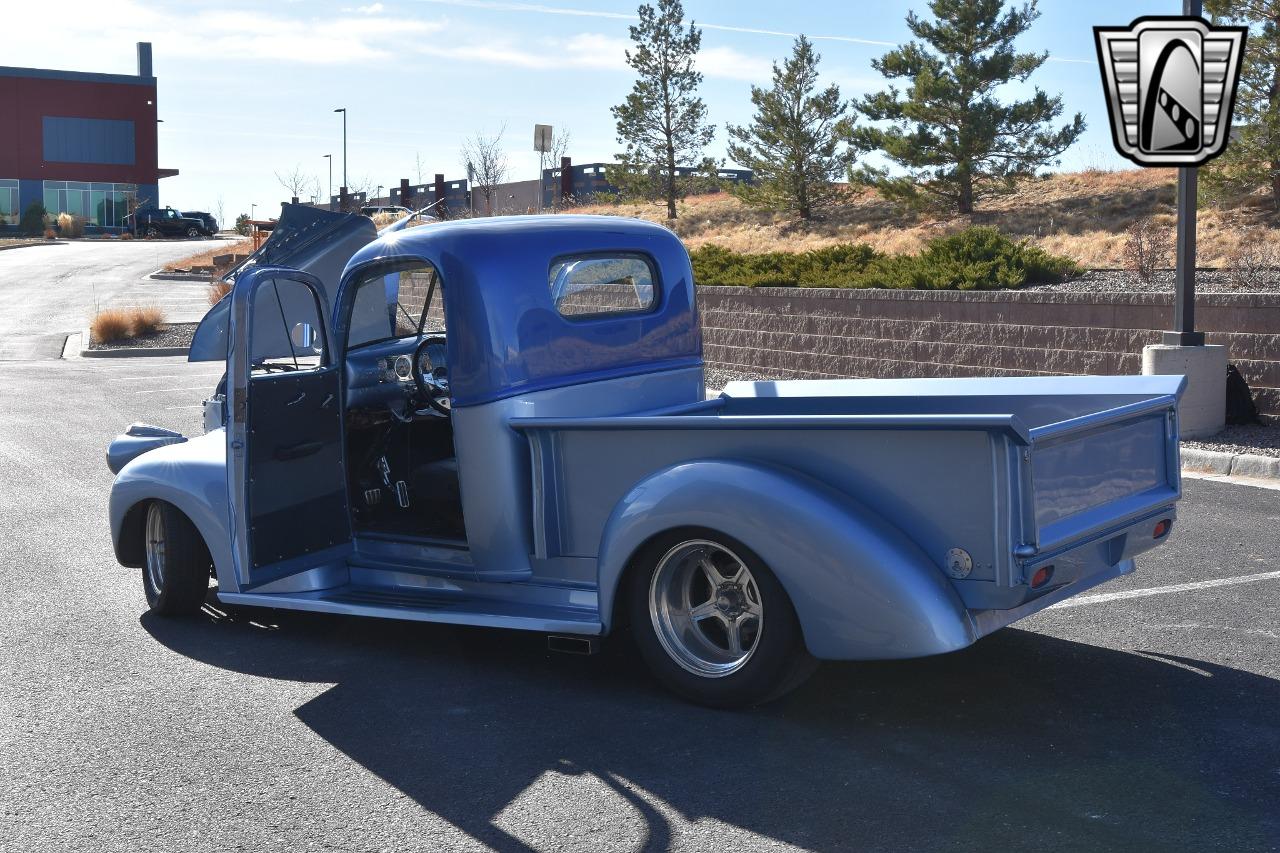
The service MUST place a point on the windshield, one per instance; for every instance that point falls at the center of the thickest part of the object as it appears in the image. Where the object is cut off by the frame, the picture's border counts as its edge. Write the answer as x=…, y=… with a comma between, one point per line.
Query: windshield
x=396, y=305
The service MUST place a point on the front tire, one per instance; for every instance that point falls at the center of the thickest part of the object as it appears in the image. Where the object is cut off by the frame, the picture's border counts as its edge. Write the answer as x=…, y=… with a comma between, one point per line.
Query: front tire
x=175, y=571
x=713, y=623
x=194, y=232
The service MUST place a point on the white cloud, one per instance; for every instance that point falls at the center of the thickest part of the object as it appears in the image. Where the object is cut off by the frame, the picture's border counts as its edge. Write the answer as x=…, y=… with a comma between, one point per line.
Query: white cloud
x=371, y=9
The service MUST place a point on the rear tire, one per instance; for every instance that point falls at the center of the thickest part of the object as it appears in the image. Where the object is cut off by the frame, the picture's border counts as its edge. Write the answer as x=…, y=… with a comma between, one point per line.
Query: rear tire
x=175, y=569
x=153, y=231
x=713, y=623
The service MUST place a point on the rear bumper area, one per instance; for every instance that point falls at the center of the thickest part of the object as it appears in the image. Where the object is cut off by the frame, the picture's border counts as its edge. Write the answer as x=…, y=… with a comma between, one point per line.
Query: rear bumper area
x=987, y=621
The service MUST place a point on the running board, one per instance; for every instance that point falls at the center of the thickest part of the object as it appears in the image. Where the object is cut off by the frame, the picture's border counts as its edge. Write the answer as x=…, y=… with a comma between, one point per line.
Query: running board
x=429, y=606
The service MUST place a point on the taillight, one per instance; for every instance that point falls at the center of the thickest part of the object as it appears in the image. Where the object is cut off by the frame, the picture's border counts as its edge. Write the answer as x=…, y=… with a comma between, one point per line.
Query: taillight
x=1162, y=527
x=1041, y=577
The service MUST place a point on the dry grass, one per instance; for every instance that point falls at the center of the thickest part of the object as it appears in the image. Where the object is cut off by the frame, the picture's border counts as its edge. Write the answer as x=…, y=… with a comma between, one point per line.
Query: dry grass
x=110, y=325
x=114, y=324
x=205, y=258
x=1083, y=215
x=146, y=320
x=217, y=290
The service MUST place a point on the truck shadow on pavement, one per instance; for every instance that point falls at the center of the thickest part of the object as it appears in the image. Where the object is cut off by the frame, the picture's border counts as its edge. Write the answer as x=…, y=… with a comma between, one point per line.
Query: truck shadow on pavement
x=1024, y=739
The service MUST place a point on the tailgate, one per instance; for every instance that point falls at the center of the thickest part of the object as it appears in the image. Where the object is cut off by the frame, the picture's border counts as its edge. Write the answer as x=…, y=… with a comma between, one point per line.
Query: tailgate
x=1093, y=473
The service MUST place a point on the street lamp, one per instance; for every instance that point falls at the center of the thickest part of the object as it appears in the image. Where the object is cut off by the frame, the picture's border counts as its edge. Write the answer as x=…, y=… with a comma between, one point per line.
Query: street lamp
x=329, y=157
x=378, y=200
x=252, y=208
x=343, y=110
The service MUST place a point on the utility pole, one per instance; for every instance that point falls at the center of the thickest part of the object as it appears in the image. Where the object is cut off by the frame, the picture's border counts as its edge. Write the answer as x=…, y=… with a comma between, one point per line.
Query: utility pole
x=329, y=157
x=1184, y=332
x=343, y=110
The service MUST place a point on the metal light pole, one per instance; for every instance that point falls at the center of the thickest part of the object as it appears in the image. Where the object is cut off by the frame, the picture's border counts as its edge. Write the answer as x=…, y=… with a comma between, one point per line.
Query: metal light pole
x=329, y=157
x=1184, y=298
x=343, y=110
x=378, y=200
x=252, y=208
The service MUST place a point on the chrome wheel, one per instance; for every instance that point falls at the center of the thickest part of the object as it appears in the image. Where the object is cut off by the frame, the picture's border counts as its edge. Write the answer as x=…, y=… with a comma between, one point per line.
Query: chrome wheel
x=706, y=608
x=155, y=548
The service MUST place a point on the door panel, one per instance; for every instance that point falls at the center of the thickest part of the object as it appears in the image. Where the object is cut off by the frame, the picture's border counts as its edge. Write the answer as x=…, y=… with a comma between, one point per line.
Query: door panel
x=297, y=489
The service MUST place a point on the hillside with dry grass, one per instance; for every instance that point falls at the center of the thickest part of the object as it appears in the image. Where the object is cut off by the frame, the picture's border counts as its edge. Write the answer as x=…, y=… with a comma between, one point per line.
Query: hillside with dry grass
x=1083, y=215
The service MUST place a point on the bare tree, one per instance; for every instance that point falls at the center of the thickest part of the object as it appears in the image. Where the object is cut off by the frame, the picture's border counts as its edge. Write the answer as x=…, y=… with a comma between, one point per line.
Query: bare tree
x=219, y=207
x=487, y=163
x=296, y=182
x=417, y=165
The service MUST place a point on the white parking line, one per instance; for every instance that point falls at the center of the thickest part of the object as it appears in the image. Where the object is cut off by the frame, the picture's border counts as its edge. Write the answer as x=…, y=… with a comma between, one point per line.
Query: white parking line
x=1162, y=590
x=164, y=376
x=166, y=390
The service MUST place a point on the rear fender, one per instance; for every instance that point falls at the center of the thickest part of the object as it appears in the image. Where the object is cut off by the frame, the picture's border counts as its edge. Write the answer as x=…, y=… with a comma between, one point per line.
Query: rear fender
x=192, y=476
x=860, y=587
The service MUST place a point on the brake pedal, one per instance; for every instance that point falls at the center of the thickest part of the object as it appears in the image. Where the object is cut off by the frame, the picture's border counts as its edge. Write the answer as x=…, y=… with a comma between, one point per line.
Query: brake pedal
x=372, y=497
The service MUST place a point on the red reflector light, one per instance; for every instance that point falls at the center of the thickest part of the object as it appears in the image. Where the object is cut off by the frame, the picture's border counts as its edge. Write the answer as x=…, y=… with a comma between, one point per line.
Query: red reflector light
x=1041, y=577
x=1162, y=527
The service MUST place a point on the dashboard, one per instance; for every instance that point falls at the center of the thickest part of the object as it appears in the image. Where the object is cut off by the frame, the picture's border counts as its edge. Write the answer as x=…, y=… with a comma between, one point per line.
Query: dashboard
x=381, y=373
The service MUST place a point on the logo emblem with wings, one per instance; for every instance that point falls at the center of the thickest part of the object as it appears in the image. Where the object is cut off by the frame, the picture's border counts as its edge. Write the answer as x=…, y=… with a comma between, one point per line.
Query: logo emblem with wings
x=1171, y=85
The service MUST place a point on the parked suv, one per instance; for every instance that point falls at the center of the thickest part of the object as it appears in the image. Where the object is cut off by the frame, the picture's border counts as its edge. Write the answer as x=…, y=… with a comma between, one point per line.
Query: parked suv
x=165, y=222
x=210, y=224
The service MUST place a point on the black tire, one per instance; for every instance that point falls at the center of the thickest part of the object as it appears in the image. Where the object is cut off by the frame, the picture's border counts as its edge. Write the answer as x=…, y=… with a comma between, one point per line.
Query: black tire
x=778, y=662
x=153, y=231
x=194, y=232
x=180, y=586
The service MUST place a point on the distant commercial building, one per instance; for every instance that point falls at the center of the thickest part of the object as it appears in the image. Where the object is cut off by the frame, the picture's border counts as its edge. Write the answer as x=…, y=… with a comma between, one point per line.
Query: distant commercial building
x=79, y=142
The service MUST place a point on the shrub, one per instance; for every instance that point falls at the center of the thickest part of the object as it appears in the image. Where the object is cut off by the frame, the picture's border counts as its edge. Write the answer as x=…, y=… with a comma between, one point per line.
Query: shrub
x=975, y=259
x=217, y=290
x=242, y=225
x=32, y=222
x=70, y=226
x=145, y=321
x=1253, y=262
x=1146, y=249
x=110, y=325
x=50, y=234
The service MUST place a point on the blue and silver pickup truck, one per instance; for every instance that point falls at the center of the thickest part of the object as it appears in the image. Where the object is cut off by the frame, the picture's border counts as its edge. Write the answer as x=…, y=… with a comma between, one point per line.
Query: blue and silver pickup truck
x=503, y=422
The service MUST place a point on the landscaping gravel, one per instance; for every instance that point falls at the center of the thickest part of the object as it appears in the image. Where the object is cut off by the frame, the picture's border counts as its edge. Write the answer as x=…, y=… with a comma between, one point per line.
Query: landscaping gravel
x=172, y=335
x=1255, y=439
x=1207, y=281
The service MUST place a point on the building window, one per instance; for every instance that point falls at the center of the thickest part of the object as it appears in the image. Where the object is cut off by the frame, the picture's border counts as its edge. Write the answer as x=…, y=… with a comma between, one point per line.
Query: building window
x=88, y=140
x=101, y=204
x=9, y=213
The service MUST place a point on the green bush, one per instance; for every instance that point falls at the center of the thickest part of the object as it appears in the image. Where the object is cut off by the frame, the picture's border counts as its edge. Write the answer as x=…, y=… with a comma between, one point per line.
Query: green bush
x=32, y=222
x=974, y=259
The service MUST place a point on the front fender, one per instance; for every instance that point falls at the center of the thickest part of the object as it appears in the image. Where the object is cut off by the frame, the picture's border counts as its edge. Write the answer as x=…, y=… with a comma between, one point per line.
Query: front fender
x=861, y=588
x=193, y=477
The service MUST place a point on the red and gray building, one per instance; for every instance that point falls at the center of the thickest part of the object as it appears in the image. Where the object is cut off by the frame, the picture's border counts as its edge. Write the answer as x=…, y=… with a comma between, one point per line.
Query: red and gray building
x=79, y=142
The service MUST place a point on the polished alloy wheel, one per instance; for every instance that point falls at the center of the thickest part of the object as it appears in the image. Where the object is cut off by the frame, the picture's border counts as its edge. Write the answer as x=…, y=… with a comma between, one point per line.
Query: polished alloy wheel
x=706, y=608
x=155, y=547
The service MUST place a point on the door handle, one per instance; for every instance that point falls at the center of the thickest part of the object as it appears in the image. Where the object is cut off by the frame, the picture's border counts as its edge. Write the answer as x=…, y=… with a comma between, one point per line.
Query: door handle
x=297, y=451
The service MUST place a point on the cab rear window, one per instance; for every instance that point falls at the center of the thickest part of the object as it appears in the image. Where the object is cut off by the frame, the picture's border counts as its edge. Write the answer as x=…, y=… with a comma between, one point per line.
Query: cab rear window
x=584, y=286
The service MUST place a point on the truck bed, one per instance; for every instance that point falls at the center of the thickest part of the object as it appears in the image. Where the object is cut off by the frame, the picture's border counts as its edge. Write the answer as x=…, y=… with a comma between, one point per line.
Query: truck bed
x=1019, y=472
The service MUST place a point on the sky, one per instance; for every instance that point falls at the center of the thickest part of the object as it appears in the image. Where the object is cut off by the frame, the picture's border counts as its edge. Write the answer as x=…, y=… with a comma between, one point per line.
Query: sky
x=247, y=89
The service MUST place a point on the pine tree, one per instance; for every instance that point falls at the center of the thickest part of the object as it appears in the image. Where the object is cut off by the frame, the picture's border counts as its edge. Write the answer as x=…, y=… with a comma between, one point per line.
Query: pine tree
x=958, y=142
x=663, y=121
x=1252, y=157
x=793, y=144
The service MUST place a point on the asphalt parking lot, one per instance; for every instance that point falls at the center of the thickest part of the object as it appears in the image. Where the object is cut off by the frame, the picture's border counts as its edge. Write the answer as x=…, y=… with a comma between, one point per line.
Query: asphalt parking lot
x=1144, y=717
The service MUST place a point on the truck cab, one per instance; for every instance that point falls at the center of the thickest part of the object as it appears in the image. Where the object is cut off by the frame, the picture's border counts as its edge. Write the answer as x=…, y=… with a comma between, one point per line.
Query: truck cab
x=503, y=422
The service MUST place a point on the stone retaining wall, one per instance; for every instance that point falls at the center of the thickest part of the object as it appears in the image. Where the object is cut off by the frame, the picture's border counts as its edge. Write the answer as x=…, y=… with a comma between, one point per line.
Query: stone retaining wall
x=821, y=332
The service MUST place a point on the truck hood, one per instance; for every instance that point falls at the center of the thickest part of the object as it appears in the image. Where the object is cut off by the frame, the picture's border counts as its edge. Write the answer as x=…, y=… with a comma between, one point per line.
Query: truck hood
x=305, y=238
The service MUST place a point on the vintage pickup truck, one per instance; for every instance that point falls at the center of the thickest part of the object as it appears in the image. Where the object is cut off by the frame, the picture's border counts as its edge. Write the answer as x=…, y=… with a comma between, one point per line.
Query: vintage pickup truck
x=503, y=422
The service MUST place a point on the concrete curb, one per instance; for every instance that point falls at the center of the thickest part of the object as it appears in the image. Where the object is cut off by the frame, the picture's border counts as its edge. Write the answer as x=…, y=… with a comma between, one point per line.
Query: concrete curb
x=161, y=275
x=29, y=244
x=1223, y=464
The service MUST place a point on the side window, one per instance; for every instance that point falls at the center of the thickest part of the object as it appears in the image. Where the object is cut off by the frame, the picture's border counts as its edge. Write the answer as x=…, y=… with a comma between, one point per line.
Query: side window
x=287, y=333
x=602, y=285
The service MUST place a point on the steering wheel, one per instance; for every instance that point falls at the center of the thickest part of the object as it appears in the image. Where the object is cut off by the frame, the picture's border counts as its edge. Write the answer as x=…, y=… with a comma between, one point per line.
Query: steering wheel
x=431, y=373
